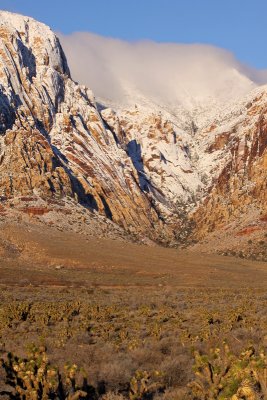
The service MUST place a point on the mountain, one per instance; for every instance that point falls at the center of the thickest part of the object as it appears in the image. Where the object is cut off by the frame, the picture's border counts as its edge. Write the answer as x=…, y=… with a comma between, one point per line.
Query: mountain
x=54, y=142
x=194, y=174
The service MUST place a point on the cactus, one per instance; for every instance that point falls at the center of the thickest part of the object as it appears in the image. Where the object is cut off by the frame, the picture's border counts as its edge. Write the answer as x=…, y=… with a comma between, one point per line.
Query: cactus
x=220, y=375
x=33, y=378
x=245, y=392
x=259, y=372
x=144, y=384
x=211, y=372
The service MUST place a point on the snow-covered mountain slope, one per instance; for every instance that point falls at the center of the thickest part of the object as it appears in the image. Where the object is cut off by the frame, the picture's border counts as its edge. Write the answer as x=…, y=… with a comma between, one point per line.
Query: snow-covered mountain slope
x=214, y=174
x=171, y=172
x=161, y=154
x=238, y=140
x=53, y=141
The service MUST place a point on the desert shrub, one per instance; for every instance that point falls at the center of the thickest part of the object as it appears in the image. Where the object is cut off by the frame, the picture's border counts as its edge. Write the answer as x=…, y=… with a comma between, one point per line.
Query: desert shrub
x=117, y=373
x=176, y=371
x=174, y=394
x=112, y=396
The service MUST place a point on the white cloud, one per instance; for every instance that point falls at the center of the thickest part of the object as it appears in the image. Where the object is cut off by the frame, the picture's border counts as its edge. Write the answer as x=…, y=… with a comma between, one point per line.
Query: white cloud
x=167, y=72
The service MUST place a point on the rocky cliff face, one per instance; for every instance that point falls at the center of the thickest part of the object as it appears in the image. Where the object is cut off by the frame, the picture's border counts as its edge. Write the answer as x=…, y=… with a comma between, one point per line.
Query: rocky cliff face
x=237, y=200
x=142, y=168
x=53, y=141
x=32, y=71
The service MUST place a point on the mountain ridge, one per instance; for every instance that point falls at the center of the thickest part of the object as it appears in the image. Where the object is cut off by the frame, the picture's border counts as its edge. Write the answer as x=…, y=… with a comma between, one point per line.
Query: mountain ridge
x=138, y=167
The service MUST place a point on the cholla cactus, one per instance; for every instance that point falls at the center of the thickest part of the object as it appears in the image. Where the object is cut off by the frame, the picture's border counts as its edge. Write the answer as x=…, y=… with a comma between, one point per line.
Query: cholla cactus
x=254, y=374
x=143, y=384
x=245, y=392
x=220, y=375
x=139, y=385
x=211, y=372
x=259, y=372
x=33, y=378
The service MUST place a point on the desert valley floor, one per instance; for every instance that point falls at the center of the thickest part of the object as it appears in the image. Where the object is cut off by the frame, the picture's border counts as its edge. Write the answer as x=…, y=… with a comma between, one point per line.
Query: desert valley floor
x=40, y=256
x=138, y=321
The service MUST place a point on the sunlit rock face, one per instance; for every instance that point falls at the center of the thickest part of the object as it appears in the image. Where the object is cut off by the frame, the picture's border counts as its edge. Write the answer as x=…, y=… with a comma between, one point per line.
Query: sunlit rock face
x=240, y=190
x=53, y=140
x=32, y=74
x=165, y=176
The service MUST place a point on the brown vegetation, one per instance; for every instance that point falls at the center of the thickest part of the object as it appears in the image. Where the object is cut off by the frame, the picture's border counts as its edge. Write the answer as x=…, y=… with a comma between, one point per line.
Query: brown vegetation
x=136, y=344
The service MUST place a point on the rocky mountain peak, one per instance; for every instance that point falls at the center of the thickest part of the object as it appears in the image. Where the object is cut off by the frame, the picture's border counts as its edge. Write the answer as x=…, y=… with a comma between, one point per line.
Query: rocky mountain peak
x=35, y=43
x=155, y=173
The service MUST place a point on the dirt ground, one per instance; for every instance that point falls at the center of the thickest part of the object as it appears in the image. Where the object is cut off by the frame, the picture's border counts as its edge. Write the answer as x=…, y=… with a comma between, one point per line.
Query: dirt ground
x=39, y=255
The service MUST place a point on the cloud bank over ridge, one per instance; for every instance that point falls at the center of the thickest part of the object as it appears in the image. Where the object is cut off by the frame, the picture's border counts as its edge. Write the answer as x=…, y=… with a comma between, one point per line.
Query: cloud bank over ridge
x=167, y=72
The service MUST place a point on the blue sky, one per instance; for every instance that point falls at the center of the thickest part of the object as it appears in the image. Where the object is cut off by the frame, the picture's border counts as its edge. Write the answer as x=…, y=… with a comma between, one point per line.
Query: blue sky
x=237, y=25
